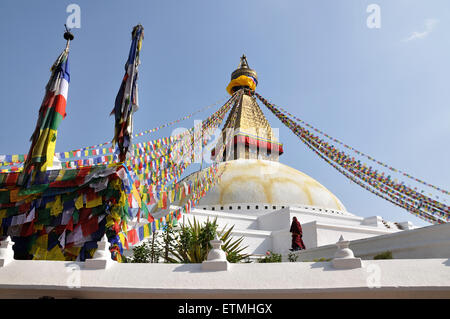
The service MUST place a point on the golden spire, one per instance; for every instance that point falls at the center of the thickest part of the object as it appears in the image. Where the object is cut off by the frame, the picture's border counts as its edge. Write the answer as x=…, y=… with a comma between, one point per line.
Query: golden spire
x=246, y=124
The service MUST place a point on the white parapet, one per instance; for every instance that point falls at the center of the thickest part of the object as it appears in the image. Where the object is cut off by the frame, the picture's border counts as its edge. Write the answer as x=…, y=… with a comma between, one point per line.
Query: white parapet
x=398, y=278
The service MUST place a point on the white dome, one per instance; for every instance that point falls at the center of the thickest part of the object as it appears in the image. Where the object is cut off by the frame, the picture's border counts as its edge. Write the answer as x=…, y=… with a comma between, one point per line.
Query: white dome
x=268, y=182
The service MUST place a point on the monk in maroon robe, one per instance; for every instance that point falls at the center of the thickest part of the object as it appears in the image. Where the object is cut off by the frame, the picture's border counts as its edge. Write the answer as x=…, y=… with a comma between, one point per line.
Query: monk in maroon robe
x=297, y=234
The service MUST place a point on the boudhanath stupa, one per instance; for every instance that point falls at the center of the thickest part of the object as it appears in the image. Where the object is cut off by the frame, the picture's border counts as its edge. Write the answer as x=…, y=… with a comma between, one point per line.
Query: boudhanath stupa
x=259, y=195
x=66, y=222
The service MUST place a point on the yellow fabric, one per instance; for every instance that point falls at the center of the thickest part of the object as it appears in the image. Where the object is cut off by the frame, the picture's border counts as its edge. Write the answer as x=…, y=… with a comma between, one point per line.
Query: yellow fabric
x=146, y=231
x=73, y=250
x=95, y=202
x=39, y=253
x=57, y=207
x=79, y=202
x=55, y=254
x=241, y=81
x=122, y=200
x=122, y=239
x=136, y=195
x=45, y=146
x=109, y=221
x=39, y=249
x=42, y=241
x=116, y=184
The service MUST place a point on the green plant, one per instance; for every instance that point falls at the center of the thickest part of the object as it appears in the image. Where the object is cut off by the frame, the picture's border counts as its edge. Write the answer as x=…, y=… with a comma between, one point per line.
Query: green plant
x=149, y=251
x=141, y=254
x=232, y=247
x=292, y=257
x=270, y=257
x=384, y=255
x=169, y=239
x=155, y=248
x=193, y=243
x=322, y=259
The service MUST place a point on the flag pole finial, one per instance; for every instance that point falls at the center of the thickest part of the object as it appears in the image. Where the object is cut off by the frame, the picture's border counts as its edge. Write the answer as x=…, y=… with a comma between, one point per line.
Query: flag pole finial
x=68, y=35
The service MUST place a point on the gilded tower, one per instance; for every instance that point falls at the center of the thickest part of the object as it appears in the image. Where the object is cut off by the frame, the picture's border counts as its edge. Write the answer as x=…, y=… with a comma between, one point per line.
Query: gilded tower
x=247, y=133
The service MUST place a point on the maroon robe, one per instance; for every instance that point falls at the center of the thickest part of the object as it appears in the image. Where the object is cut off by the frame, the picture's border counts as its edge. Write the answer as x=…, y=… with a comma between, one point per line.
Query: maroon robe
x=297, y=233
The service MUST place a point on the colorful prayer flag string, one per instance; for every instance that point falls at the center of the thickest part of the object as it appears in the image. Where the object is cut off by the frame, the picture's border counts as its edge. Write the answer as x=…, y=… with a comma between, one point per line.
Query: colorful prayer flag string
x=423, y=206
x=363, y=154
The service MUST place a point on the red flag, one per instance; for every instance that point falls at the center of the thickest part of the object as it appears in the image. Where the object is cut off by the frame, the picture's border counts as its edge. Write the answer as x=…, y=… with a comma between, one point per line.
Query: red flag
x=151, y=199
x=126, y=243
x=132, y=236
x=91, y=226
x=70, y=224
x=130, y=200
x=164, y=200
x=116, y=227
x=27, y=229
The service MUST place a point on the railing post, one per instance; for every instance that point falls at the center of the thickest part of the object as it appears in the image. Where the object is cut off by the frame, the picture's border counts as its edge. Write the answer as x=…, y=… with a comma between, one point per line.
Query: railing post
x=217, y=260
x=344, y=257
x=6, y=251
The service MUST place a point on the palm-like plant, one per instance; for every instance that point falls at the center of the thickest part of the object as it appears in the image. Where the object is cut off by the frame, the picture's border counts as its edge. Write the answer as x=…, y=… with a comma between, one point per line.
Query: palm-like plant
x=193, y=244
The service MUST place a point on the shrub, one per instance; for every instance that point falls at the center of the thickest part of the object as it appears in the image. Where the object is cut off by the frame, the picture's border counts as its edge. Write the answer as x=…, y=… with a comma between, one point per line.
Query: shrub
x=141, y=253
x=150, y=251
x=193, y=245
x=292, y=257
x=384, y=255
x=270, y=257
x=322, y=259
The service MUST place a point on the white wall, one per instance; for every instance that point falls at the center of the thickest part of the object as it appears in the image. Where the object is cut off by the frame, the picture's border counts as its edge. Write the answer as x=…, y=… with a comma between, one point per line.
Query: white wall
x=399, y=278
x=258, y=241
x=250, y=209
x=425, y=242
x=238, y=220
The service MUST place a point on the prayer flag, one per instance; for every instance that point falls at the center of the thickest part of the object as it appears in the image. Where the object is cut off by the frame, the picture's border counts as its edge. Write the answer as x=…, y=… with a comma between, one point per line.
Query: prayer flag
x=51, y=113
x=126, y=102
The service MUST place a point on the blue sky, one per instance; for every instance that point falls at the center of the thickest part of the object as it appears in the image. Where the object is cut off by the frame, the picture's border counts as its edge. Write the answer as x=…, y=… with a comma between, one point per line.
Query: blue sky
x=383, y=91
